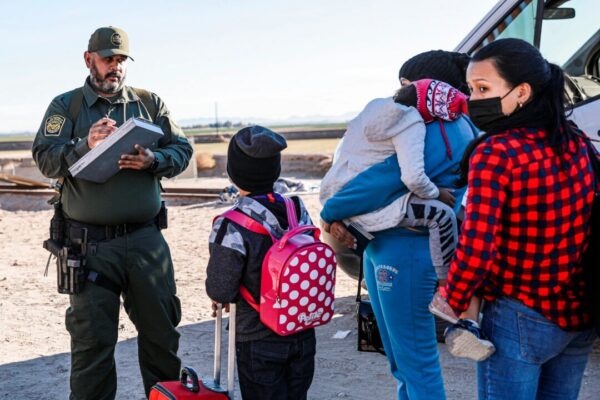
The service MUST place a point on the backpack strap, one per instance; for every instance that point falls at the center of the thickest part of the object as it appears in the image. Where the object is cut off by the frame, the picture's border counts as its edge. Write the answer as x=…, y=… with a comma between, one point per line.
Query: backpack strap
x=75, y=104
x=73, y=112
x=146, y=98
x=246, y=222
x=248, y=297
x=292, y=218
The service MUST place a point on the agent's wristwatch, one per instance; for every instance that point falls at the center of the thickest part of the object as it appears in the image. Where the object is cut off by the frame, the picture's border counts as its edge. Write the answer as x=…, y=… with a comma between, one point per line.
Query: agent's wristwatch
x=154, y=164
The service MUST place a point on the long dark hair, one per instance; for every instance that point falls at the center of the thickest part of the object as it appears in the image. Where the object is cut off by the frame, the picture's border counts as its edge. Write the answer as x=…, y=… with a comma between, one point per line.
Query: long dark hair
x=519, y=62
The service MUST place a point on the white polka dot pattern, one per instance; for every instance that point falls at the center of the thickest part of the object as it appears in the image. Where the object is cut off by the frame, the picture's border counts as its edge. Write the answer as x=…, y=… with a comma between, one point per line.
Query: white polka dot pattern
x=299, y=284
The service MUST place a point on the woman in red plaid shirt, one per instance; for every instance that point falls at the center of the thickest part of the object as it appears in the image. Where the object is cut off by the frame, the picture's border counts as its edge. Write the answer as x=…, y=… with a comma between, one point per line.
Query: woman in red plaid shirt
x=531, y=187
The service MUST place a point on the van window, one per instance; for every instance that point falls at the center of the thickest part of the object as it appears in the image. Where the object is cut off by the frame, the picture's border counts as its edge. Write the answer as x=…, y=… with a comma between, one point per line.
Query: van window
x=520, y=23
x=562, y=38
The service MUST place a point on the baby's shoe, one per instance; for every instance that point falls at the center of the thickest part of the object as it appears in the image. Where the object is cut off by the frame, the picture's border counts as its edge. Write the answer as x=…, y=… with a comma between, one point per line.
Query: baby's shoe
x=440, y=308
x=465, y=339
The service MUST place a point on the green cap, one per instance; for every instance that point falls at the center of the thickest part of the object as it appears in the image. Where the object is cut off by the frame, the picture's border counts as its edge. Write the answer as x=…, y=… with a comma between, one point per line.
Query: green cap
x=109, y=41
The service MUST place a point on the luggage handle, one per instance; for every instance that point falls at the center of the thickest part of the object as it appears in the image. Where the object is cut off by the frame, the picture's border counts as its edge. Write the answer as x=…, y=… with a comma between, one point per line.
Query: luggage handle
x=189, y=379
x=230, y=349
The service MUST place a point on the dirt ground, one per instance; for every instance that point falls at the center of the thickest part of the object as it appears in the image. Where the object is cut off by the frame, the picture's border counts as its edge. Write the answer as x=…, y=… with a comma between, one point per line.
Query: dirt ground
x=34, y=345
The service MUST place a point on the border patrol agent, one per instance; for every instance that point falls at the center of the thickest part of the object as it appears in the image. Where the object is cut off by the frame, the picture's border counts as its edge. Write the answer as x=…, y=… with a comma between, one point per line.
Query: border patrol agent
x=115, y=222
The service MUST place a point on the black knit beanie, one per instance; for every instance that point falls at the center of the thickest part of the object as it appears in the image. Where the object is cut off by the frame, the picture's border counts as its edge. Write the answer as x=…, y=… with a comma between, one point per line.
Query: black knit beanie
x=254, y=159
x=445, y=66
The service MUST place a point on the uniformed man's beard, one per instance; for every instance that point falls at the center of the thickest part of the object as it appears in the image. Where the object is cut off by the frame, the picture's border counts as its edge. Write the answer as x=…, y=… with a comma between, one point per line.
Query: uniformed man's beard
x=102, y=84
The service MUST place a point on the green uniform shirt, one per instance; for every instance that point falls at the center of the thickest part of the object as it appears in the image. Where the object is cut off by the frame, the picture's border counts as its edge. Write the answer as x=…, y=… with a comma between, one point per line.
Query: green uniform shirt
x=129, y=196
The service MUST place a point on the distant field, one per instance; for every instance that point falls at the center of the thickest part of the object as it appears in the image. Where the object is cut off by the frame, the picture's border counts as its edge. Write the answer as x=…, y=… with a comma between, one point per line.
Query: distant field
x=12, y=154
x=279, y=128
x=16, y=138
x=294, y=146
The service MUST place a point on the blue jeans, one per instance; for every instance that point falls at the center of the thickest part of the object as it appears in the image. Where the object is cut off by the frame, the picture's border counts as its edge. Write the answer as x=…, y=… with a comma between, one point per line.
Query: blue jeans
x=401, y=281
x=534, y=358
x=276, y=367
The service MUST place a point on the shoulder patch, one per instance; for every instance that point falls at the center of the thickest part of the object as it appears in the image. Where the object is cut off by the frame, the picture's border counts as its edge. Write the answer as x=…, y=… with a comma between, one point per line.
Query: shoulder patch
x=54, y=124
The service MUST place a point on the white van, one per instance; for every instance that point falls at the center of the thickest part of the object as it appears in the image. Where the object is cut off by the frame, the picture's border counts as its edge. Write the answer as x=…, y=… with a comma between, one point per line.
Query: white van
x=567, y=32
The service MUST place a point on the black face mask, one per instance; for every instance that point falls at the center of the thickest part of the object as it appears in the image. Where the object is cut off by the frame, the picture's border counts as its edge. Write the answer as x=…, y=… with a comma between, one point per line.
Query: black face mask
x=485, y=112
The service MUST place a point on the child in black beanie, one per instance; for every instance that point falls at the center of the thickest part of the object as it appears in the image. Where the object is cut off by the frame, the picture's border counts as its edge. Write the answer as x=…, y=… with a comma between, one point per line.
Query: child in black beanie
x=269, y=366
x=254, y=159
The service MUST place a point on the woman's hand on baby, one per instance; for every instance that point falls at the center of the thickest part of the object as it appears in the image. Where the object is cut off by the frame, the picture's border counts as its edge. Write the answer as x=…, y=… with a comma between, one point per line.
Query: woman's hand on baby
x=325, y=226
x=447, y=197
x=342, y=235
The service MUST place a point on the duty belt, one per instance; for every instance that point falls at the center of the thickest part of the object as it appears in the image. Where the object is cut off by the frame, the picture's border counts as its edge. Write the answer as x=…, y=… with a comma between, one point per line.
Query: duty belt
x=98, y=233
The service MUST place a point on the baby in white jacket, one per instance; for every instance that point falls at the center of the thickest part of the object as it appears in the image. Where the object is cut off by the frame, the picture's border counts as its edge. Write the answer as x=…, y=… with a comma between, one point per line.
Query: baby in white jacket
x=384, y=128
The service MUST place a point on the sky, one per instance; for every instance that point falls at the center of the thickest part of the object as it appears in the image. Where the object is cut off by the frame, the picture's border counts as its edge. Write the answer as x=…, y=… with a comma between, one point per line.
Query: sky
x=254, y=59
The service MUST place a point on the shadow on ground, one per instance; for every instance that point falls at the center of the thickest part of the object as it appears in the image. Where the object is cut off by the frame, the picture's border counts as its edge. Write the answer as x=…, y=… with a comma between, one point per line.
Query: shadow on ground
x=341, y=372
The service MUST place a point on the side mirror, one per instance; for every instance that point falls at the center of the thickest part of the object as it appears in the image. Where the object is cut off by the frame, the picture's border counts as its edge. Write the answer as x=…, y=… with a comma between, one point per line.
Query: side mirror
x=559, y=13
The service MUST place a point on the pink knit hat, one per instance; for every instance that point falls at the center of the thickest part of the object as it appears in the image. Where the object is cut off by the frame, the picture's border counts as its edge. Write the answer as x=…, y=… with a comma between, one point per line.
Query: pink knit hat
x=437, y=99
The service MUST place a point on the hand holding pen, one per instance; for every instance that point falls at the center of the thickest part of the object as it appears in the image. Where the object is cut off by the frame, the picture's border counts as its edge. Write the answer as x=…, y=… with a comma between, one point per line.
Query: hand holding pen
x=100, y=130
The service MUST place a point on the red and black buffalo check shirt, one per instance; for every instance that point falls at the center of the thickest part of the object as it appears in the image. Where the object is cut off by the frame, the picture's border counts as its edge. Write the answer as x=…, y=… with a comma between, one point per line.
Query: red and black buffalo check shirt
x=526, y=222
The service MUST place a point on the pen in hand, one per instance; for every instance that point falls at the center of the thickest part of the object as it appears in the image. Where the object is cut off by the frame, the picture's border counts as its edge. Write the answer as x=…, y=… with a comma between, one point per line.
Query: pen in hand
x=100, y=130
x=110, y=110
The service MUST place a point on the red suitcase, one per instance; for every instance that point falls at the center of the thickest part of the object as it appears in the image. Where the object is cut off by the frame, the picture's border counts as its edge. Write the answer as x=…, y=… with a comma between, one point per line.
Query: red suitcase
x=189, y=387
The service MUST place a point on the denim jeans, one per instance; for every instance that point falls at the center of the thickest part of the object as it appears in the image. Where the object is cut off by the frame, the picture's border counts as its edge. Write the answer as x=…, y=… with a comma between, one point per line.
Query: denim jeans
x=276, y=368
x=534, y=358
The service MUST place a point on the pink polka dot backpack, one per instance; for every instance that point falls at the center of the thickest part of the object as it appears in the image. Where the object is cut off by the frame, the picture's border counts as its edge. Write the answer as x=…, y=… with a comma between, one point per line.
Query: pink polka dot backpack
x=298, y=276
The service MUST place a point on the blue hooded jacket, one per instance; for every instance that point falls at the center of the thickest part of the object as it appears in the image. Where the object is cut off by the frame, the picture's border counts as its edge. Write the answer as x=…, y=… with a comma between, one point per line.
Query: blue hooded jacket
x=380, y=184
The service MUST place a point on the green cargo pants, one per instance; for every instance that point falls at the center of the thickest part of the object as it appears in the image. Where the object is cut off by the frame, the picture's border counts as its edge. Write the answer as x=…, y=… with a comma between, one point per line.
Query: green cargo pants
x=140, y=263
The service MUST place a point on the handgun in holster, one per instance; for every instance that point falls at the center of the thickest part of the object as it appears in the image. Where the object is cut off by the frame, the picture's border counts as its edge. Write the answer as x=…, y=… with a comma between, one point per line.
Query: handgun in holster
x=70, y=259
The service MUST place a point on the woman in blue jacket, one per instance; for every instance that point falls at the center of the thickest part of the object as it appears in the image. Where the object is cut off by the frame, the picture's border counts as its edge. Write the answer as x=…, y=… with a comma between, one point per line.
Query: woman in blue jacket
x=397, y=263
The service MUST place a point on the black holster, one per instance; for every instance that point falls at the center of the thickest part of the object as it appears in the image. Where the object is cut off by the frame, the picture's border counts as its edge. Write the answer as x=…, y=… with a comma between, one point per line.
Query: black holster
x=70, y=255
x=161, y=218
